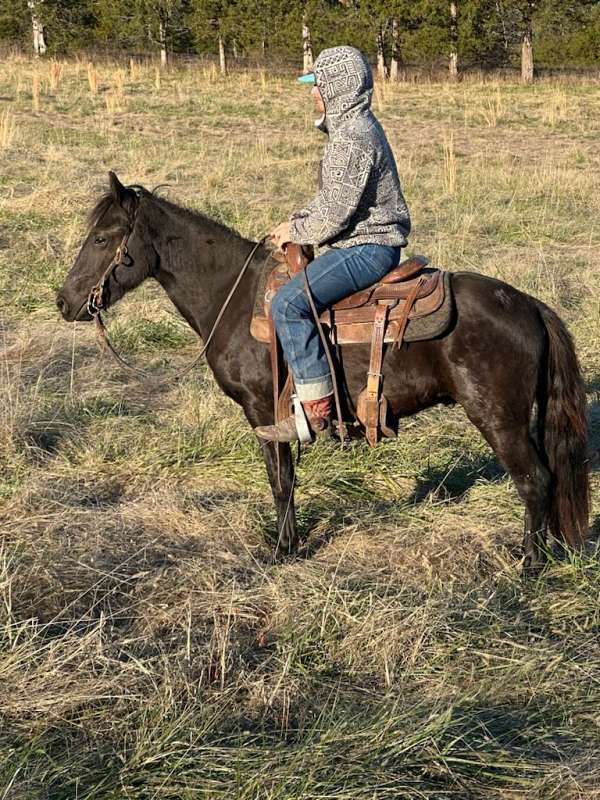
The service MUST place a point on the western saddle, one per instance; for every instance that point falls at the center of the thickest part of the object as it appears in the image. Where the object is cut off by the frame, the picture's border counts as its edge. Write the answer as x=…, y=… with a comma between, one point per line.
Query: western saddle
x=378, y=314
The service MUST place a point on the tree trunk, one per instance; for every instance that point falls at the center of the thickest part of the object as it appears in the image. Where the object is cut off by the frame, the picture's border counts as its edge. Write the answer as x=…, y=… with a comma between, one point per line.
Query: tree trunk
x=162, y=39
x=234, y=48
x=222, y=56
x=307, y=49
x=396, y=55
x=527, y=44
x=381, y=65
x=39, y=43
x=527, y=57
x=453, y=66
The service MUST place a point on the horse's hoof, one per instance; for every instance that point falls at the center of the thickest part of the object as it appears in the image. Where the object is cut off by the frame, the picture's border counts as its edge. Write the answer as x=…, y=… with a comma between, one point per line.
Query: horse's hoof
x=532, y=569
x=284, y=550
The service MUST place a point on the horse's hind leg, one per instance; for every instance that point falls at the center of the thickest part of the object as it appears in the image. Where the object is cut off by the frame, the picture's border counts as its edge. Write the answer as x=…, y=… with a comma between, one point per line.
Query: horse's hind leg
x=518, y=453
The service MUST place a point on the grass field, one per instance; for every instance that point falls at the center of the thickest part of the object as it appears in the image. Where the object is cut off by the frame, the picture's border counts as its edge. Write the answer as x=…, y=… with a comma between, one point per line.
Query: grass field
x=148, y=646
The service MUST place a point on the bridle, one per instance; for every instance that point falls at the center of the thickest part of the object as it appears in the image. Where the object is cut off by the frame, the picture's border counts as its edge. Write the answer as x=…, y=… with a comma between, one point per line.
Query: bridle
x=96, y=302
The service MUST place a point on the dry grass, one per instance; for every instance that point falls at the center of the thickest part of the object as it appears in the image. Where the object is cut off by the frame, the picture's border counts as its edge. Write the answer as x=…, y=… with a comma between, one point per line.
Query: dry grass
x=7, y=129
x=148, y=646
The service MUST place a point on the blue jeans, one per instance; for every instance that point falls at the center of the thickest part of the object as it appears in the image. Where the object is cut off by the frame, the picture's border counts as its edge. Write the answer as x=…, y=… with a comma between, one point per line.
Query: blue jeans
x=334, y=275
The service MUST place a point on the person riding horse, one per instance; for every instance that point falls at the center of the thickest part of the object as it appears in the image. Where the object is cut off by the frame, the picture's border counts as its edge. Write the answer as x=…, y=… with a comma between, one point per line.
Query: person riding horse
x=359, y=220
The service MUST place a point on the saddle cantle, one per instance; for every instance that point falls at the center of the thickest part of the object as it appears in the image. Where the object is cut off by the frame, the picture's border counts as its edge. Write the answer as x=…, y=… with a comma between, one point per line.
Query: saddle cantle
x=411, y=303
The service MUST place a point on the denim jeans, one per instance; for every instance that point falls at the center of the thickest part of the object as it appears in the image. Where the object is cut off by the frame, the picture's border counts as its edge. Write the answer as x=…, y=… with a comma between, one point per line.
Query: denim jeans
x=334, y=275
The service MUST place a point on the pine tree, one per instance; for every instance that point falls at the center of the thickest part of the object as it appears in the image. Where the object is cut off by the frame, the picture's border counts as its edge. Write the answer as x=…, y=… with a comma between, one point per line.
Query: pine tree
x=54, y=25
x=483, y=34
x=402, y=20
x=15, y=22
x=375, y=19
x=307, y=48
x=568, y=32
x=119, y=24
x=164, y=21
x=216, y=23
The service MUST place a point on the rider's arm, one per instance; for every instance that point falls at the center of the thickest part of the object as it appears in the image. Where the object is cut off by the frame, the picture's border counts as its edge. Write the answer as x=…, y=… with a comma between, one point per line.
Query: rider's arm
x=346, y=169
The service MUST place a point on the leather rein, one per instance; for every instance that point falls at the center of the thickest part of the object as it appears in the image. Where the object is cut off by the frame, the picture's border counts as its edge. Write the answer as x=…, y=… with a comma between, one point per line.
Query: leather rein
x=96, y=303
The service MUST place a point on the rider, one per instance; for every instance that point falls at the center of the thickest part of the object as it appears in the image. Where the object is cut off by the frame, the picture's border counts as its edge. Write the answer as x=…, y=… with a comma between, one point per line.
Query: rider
x=359, y=217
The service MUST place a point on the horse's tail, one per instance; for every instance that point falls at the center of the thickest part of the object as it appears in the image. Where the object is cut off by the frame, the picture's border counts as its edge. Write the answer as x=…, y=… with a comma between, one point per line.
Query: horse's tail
x=565, y=434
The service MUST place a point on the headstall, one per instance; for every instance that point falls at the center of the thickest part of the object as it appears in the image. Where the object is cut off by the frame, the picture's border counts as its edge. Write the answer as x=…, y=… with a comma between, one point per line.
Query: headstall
x=96, y=303
x=96, y=298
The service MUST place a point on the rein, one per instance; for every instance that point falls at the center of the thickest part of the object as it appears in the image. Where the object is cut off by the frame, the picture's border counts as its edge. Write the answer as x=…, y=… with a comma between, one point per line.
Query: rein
x=95, y=304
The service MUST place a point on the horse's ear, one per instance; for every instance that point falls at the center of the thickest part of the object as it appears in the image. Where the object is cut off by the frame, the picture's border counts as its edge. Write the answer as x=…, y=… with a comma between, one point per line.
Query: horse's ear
x=121, y=195
x=117, y=189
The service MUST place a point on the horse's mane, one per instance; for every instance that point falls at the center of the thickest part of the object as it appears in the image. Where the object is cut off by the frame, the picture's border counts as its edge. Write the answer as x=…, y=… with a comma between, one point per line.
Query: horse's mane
x=106, y=201
x=99, y=210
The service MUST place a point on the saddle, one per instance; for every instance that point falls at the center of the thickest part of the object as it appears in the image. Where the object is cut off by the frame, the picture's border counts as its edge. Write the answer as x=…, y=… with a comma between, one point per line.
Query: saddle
x=378, y=314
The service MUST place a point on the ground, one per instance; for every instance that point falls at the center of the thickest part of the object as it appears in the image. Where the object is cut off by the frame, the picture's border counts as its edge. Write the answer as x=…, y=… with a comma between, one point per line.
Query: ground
x=149, y=646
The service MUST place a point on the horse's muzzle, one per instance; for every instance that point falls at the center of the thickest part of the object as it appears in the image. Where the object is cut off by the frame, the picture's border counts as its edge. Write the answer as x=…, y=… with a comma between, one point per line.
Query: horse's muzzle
x=81, y=315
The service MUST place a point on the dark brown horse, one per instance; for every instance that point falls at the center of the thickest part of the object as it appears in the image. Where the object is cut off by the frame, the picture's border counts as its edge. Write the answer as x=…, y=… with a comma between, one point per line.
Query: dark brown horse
x=507, y=359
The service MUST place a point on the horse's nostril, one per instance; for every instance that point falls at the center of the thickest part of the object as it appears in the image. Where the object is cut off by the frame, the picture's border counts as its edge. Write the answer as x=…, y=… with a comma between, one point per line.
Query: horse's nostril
x=62, y=305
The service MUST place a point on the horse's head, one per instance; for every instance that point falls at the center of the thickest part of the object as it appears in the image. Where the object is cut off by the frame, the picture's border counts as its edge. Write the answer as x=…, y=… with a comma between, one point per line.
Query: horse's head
x=114, y=222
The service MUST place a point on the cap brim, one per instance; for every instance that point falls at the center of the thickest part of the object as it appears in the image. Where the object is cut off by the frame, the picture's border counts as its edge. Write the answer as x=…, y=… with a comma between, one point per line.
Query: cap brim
x=308, y=78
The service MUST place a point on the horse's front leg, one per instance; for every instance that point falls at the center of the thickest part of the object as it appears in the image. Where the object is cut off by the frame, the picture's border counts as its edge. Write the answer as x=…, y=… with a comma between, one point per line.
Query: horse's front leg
x=281, y=474
x=282, y=480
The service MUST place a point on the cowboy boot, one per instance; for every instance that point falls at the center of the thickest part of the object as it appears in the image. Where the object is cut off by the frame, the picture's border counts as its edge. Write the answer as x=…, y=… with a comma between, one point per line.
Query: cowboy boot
x=318, y=413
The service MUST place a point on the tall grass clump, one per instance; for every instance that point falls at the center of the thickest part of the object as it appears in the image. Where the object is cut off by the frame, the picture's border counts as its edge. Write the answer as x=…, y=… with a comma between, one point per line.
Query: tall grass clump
x=8, y=129
x=56, y=72
x=93, y=79
x=36, y=90
x=450, y=163
x=493, y=109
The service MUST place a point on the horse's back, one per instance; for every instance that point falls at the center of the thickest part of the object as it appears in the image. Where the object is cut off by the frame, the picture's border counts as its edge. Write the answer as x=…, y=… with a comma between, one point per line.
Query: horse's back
x=482, y=296
x=495, y=350
x=493, y=347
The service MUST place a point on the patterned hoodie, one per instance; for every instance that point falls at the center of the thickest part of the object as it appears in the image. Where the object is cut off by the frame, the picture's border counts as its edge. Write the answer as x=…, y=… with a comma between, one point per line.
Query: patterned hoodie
x=360, y=200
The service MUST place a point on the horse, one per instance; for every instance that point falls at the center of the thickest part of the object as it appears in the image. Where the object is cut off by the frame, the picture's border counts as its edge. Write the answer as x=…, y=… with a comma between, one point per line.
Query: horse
x=507, y=358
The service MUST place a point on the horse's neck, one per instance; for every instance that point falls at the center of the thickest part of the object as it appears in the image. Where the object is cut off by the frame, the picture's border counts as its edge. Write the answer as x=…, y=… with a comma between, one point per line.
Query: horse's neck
x=199, y=263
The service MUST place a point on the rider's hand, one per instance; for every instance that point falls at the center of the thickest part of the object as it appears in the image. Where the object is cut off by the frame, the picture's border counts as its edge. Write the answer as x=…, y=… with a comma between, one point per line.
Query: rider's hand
x=281, y=234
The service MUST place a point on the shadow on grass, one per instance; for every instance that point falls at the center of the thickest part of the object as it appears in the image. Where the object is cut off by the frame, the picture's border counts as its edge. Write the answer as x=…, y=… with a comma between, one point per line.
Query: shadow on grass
x=452, y=484
x=435, y=749
x=319, y=523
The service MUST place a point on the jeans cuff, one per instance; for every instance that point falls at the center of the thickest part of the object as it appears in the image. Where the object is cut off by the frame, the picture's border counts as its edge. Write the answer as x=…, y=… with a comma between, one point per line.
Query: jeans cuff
x=314, y=390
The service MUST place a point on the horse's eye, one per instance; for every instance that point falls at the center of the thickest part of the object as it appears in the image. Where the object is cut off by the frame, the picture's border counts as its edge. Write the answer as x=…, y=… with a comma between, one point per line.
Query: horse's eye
x=100, y=240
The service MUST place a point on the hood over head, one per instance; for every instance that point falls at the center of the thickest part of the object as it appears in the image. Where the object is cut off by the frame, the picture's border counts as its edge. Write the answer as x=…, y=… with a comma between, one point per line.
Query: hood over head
x=344, y=78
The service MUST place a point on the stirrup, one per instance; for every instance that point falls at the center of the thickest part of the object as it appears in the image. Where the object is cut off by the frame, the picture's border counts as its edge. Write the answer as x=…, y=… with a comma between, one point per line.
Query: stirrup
x=302, y=426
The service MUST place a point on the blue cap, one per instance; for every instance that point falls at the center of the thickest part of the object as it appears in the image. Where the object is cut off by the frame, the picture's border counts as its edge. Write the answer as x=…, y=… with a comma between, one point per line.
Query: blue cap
x=308, y=78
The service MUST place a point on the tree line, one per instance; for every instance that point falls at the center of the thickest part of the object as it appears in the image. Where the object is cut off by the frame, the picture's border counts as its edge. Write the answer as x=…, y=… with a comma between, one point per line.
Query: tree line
x=394, y=33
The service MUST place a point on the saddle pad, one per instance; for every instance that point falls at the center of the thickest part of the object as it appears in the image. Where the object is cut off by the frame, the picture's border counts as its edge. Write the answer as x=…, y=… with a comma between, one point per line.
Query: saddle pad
x=429, y=326
x=425, y=321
